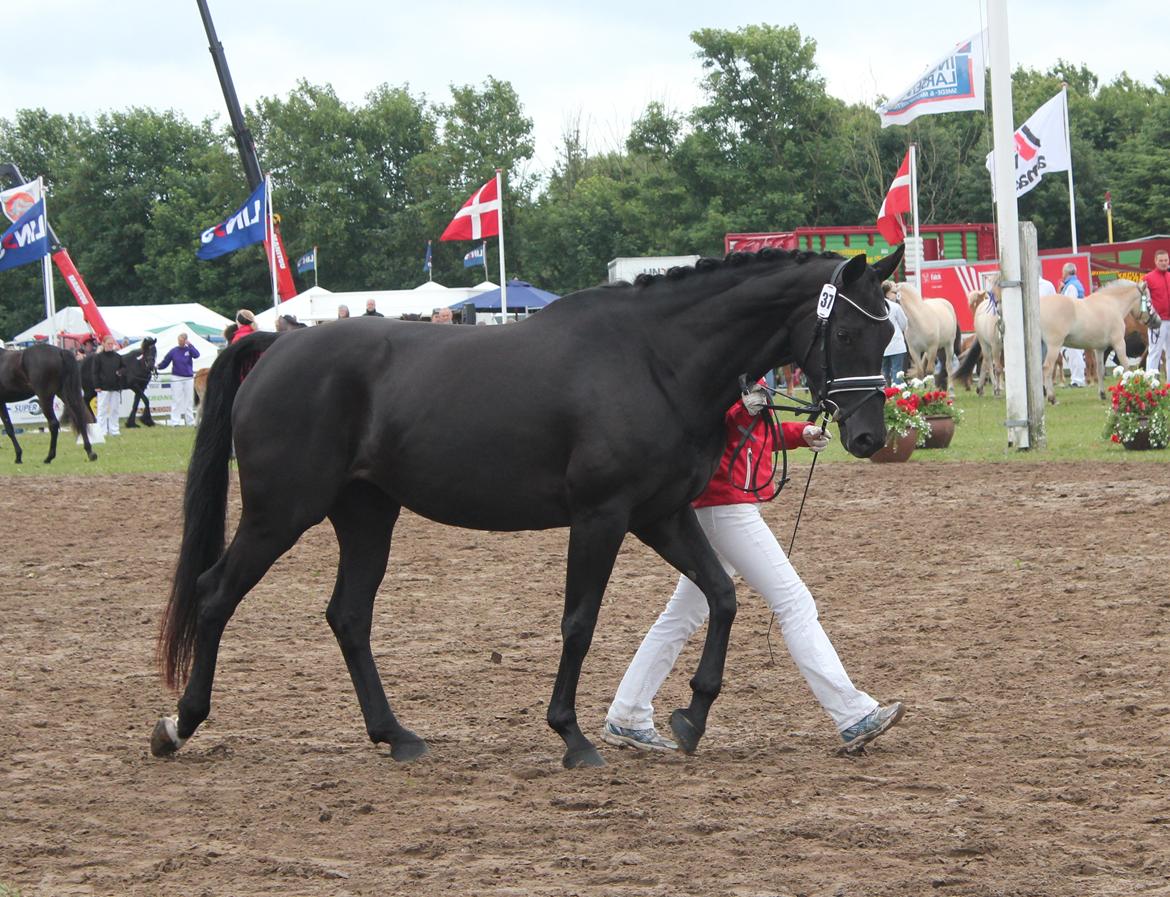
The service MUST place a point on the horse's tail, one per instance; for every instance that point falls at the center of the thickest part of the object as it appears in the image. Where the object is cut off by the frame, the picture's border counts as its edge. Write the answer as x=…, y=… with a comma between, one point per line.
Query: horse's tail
x=967, y=362
x=204, y=505
x=958, y=346
x=71, y=394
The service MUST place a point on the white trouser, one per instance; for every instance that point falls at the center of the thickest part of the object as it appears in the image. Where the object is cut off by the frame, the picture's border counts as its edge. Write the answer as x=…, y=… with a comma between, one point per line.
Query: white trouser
x=744, y=545
x=1159, y=343
x=182, y=401
x=1075, y=359
x=107, y=411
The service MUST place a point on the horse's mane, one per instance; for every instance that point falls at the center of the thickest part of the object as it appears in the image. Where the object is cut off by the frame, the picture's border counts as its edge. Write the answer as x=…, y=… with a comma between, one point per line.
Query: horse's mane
x=1116, y=286
x=767, y=255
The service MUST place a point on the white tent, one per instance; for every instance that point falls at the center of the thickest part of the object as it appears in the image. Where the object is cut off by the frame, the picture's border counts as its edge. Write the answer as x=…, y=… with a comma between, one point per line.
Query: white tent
x=126, y=321
x=317, y=304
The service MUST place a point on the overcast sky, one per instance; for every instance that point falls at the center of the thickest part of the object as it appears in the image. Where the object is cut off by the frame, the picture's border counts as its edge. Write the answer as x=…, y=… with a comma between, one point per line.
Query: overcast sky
x=599, y=62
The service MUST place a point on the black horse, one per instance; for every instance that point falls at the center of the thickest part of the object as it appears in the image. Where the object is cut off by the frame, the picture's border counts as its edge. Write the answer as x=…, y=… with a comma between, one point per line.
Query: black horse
x=139, y=366
x=44, y=371
x=603, y=413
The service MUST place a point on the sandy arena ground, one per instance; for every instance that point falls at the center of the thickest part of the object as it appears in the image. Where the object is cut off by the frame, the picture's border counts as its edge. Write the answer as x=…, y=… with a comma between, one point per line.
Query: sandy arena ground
x=1020, y=611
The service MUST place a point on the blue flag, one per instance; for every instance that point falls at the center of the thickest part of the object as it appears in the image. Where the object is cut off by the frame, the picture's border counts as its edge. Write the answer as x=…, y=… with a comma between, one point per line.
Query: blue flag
x=244, y=227
x=477, y=256
x=308, y=261
x=427, y=261
x=27, y=240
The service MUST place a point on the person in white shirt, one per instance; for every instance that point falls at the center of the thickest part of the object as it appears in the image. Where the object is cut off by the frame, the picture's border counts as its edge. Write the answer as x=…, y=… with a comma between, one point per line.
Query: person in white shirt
x=894, y=358
x=1072, y=287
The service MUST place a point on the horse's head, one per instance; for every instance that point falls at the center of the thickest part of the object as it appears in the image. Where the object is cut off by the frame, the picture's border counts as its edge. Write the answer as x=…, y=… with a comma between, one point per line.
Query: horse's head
x=149, y=352
x=1144, y=311
x=846, y=341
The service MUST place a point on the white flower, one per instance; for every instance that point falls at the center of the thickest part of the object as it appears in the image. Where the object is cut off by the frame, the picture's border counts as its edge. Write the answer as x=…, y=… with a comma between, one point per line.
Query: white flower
x=928, y=381
x=916, y=383
x=1118, y=371
x=906, y=393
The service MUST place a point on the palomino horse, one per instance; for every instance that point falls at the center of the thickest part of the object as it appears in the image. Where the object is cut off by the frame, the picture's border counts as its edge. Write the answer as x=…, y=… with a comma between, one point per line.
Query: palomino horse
x=44, y=371
x=1095, y=323
x=933, y=328
x=604, y=413
x=988, y=319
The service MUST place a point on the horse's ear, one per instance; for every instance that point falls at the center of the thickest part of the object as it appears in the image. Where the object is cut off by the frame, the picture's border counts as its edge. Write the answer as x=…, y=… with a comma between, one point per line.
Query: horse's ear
x=853, y=269
x=886, y=267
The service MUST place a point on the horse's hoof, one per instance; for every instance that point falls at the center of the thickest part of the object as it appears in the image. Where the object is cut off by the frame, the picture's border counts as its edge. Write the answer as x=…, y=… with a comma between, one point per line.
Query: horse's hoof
x=165, y=740
x=18, y=461
x=684, y=731
x=93, y=456
x=131, y=426
x=148, y=423
x=404, y=751
x=583, y=758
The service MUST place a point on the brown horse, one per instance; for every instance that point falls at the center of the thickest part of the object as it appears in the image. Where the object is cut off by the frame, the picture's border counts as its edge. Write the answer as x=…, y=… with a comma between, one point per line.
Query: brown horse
x=44, y=371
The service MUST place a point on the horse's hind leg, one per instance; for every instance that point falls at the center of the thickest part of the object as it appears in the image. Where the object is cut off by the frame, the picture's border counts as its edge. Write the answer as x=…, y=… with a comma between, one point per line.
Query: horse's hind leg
x=364, y=519
x=10, y=431
x=146, y=417
x=255, y=548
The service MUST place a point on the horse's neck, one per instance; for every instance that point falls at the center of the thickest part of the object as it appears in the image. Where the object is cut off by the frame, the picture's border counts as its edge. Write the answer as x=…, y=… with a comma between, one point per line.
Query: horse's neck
x=742, y=329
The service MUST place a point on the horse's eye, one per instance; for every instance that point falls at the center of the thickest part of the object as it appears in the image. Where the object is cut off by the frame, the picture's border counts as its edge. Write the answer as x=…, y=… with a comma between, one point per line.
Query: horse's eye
x=843, y=336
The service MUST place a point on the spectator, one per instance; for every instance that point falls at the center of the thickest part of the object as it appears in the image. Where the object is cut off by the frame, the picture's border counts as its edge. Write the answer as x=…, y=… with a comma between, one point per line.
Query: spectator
x=442, y=316
x=245, y=324
x=894, y=358
x=372, y=310
x=342, y=312
x=183, y=358
x=1072, y=287
x=1158, y=282
x=109, y=373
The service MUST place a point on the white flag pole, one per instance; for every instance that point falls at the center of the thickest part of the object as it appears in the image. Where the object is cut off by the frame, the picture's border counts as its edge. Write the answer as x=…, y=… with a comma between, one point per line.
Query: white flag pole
x=271, y=239
x=500, y=234
x=47, y=273
x=914, y=203
x=1072, y=204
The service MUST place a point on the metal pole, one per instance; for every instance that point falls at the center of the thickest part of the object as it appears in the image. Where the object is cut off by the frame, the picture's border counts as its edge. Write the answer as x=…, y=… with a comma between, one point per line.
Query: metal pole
x=503, y=274
x=1030, y=274
x=47, y=273
x=918, y=253
x=1007, y=226
x=1072, y=202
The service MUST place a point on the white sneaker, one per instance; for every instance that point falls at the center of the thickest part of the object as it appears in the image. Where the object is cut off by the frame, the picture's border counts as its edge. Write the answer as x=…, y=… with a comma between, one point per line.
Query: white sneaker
x=639, y=739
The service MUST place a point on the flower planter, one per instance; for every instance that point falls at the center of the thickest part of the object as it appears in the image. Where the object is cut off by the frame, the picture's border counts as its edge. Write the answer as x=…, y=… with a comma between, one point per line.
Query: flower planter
x=897, y=448
x=942, y=431
x=1141, y=439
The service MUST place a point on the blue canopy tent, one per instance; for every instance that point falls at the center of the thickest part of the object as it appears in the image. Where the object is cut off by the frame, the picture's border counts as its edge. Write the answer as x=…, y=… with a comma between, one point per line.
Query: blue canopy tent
x=521, y=295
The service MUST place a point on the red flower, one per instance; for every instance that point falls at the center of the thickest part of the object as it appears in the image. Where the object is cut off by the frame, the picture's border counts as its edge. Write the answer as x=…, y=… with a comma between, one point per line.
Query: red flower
x=1115, y=438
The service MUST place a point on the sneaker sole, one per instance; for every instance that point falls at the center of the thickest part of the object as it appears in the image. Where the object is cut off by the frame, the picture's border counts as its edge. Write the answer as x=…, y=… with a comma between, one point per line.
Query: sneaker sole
x=625, y=741
x=857, y=745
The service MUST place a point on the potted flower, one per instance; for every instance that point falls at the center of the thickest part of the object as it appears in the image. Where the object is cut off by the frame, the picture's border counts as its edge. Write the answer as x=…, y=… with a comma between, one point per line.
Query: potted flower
x=1139, y=412
x=939, y=410
x=905, y=425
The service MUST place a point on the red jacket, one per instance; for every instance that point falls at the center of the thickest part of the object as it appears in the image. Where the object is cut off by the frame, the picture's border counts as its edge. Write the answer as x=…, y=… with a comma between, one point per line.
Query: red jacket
x=757, y=450
x=242, y=331
x=1159, y=284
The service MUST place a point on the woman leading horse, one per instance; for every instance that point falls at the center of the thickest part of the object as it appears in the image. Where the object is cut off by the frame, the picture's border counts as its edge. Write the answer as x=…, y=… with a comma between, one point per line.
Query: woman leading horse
x=604, y=413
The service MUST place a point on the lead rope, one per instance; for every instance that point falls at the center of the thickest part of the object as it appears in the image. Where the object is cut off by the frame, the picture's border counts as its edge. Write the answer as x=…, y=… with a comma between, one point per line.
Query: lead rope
x=795, y=526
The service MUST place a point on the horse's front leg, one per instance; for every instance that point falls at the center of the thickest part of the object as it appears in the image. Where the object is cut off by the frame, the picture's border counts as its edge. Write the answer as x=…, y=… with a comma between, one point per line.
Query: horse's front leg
x=147, y=418
x=1099, y=357
x=682, y=543
x=54, y=425
x=10, y=431
x=594, y=540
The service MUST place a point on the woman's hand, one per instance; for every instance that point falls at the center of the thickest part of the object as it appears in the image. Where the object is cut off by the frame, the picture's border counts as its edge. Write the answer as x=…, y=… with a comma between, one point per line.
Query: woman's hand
x=816, y=438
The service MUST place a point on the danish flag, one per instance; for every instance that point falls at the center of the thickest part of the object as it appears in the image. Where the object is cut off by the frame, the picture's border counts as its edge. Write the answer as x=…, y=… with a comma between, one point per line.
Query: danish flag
x=479, y=217
x=895, y=205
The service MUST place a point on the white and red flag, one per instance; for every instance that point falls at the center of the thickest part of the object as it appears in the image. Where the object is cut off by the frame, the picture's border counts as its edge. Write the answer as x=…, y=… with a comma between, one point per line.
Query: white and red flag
x=896, y=204
x=479, y=217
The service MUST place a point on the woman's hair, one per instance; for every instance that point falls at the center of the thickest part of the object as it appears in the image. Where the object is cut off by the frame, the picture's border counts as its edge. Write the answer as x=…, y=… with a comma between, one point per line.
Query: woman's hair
x=243, y=316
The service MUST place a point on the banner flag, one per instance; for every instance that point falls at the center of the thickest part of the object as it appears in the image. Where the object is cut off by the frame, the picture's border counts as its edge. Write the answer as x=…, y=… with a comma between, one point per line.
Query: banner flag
x=27, y=240
x=479, y=217
x=477, y=256
x=953, y=84
x=18, y=200
x=245, y=226
x=895, y=205
x=308, y=261
x=1041, y=145
x=427, y=263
